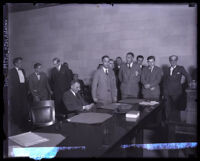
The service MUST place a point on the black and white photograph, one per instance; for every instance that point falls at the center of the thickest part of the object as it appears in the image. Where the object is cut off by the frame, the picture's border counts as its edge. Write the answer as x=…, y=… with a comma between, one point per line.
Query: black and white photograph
x=100, y=80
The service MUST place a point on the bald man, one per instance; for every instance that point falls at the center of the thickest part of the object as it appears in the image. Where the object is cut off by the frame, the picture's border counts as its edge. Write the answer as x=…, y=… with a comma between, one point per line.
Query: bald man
x=174, y=93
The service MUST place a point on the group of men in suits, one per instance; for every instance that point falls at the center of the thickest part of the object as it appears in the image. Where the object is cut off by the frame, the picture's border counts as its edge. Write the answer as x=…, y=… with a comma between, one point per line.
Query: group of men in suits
x=134, y=80
x=39, y=87
x=111, y=82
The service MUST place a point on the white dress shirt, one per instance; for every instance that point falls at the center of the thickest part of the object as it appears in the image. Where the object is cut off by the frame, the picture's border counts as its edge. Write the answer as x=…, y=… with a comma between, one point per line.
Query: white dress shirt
x=105, y=70
x=151, y=68
x=21, y=75
x=59, y=67
x=130, y=65
x=75, y=96
x=38, y=75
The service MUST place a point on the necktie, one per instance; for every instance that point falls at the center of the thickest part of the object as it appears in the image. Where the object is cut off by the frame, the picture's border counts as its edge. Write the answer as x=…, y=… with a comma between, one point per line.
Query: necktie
x=106, y=71
x=129, y=66
x=171, y=70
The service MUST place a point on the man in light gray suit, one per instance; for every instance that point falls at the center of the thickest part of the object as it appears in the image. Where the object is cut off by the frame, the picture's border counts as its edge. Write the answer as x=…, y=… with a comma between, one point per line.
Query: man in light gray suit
x=104, y=90
x=129, y=76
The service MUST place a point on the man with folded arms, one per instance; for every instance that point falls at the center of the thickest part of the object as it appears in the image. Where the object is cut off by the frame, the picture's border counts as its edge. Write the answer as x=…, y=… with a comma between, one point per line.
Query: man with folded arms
x=150, y=79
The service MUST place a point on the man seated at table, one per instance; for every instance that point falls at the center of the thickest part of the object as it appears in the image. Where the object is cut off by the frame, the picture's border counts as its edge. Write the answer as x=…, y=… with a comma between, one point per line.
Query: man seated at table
x=73, y=100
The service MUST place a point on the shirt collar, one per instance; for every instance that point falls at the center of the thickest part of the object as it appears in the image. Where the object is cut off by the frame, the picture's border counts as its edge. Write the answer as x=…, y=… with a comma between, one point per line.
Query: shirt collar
x=104, y=69
x=131, y=64
x=151, y=68
x=73, y=92
x=59, y=67
x=173, y=67
x=17, y=68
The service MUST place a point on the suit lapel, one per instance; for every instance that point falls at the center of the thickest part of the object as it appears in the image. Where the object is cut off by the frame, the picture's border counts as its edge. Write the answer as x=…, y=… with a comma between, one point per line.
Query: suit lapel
x=16, y=73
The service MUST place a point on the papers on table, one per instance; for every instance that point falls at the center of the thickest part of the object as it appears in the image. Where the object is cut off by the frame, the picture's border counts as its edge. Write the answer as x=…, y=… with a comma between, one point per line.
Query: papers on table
x=131, y=100
x=149, y=103
x=28, y=139
x=90, y=118
x=119, y=106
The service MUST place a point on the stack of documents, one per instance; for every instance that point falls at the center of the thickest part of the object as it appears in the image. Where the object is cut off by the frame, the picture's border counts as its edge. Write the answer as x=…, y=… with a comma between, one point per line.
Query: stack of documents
x=148, y=103
x=132, y=115
x=28, y=139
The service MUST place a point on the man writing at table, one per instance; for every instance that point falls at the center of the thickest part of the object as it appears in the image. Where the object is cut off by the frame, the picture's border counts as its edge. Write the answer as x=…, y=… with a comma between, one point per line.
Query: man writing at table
x=73, y=100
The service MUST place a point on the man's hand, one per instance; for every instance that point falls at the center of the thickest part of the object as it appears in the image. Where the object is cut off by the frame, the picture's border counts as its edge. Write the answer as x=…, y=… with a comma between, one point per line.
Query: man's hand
x=88, y=107
x=136, y=73
x=147, y=86
x=95, y=99
x=152, y=88
x=51, y=92
x=115, y=99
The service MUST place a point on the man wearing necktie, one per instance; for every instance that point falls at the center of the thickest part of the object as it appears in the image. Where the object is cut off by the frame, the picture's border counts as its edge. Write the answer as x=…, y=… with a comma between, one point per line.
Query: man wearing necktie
x=104, y=89
x=39, y=85
x=129, y=76
x=150, y=79
x=174, y=96
x=18, y=99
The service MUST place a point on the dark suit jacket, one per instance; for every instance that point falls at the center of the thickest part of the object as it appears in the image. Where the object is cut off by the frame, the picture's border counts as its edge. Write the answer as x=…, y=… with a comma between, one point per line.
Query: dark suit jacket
x=172, y=84
x=60, y=80
x=72, y=102
x=153, y=78
x=39, y=88
x=18, y=103
x=14, y=84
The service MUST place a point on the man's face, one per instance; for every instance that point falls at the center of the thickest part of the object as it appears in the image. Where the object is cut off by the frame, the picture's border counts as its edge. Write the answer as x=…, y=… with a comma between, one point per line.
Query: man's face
x=118, y=61
x=75, y=87
x=173, y=62
x=106, y=62
x=129, y=58
x=18, y=64
x=151, y=62
x=111, y=64
x=55, y=63
x=38, y=69
x=140, y=60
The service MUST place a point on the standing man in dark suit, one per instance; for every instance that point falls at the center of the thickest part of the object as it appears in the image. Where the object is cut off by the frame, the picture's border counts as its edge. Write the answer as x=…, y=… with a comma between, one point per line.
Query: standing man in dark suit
x=104, y=90
x=60, y=82
x=73, y=101
x=151, y=77
x=174, y=96
x=39, y=85
x=139, y=60
x=129, y=76
x=18, y=98
x=118, y=64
